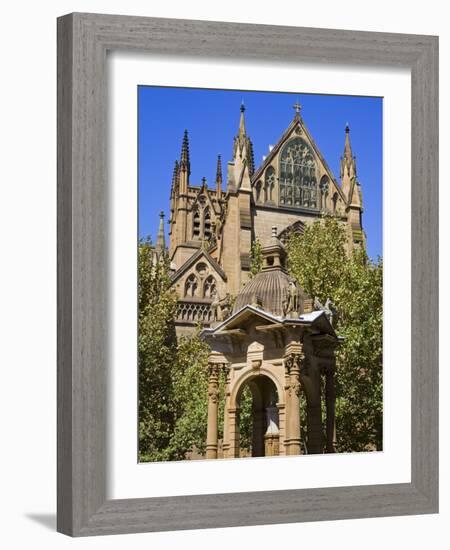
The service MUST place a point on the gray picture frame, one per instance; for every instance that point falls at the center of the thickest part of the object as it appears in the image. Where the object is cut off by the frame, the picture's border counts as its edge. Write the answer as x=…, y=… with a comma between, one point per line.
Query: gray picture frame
x=83, y=244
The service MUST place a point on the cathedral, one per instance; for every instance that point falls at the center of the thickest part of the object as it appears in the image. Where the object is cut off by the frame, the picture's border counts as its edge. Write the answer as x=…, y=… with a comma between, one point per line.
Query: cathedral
x=212, y=227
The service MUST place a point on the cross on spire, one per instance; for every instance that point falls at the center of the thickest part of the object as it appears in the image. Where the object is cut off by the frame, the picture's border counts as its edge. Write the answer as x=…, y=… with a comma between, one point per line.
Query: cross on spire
x=297, y=108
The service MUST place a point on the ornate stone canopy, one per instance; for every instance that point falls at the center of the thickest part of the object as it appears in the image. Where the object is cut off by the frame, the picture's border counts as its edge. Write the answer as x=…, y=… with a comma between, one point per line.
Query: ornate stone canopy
x=277, y=345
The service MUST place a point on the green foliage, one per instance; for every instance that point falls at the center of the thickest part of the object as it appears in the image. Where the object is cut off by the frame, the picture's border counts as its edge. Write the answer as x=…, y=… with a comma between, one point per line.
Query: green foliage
x=190, y=389
x=246, y=420
x=156, y=354
x=319, y=262
x=256, y=258
x=317, y=258
x=172, y=375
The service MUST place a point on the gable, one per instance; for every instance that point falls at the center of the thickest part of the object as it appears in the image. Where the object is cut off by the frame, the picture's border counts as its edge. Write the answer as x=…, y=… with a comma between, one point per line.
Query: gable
x=199, y=257
x=298, y=130
x=203, y=191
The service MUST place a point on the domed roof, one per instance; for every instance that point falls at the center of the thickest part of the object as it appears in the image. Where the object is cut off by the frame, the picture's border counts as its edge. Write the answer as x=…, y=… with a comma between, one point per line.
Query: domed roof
x=272, y=289
x=268, y=290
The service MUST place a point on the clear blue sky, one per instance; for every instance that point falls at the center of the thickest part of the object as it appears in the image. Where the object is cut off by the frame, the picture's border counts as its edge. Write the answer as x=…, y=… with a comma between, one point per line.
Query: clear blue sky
x=212, y=118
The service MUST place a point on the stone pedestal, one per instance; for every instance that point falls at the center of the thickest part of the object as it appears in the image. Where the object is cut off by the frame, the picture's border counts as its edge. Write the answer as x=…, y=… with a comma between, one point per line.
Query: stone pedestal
x=271, y=445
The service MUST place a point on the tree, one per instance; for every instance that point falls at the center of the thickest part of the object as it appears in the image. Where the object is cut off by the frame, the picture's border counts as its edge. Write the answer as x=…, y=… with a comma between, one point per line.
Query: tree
x=172, y=374
x=255, y=257
x=319, y=262
x=190, y=390
x=157, y=352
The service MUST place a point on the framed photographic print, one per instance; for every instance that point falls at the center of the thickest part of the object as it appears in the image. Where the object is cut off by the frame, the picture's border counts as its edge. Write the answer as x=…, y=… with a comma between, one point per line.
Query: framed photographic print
x=247, y=268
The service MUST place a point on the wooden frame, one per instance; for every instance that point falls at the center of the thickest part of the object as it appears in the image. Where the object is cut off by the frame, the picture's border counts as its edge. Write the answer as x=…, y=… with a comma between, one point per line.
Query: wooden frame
x=83, y=40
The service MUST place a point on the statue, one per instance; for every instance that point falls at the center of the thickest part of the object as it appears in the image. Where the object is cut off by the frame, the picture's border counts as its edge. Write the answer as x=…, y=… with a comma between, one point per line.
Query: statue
x=272, y=419
x=290, y=304
x=225, y=307
x=215, y=305
x=329, y=308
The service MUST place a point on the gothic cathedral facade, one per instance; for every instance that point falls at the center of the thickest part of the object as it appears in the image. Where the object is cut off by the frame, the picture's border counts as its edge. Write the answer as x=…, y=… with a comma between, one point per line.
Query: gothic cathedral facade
x=212, y=228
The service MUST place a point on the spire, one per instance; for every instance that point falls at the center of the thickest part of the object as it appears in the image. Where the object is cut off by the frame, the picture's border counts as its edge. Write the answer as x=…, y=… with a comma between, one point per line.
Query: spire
x=174, y=189
x=161, y=240
x=219, y=169
x=185, y=164
x=242, y=132
x=348, y=161
x=176, y=172
x=243, y=147
x=219, y=177
x=347, y=148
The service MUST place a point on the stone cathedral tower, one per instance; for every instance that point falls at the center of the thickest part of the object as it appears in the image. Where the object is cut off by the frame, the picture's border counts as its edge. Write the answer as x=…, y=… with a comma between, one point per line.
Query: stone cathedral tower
x=212, y=227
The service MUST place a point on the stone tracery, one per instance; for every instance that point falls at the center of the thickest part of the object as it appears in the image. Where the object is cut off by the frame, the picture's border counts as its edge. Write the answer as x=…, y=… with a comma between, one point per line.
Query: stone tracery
x=298, y=184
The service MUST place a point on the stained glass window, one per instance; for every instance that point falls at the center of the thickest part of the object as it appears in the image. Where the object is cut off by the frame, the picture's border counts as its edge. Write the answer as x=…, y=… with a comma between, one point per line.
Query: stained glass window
x=298, y=184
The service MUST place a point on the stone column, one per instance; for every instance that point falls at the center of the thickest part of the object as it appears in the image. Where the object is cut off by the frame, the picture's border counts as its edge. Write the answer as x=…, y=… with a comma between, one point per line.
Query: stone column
x=293, y=365
x=233, y=433
x=213, y=404
x=330, y=396
x=282, y=424
x=226, y=422
x=314, y=429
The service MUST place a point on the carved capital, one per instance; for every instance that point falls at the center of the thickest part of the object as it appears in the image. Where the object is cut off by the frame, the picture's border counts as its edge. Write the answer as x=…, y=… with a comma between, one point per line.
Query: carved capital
x=294, y=363
x=214, y=371
x=225, y=368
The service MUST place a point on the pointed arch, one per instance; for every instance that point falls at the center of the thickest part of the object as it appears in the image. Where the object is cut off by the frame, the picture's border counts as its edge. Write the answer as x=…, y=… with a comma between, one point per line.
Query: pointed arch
x=207, y=223
x=335, y=200
x=209, y=286
x=258, y=188
x=191, y=286
x=195, y=223
x=270, y=183
x=324, y=188
x=298, y=183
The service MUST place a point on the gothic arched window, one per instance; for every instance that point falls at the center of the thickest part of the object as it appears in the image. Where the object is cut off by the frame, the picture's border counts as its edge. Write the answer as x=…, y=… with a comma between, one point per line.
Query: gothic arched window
x=206, y=224
x=266, y=191
x=258, y=191
x=209, y=287
x=191, y=286
x=335, y=199
x=298, y=184
x=324, y=189
x=196, y=224
x=270, y=183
